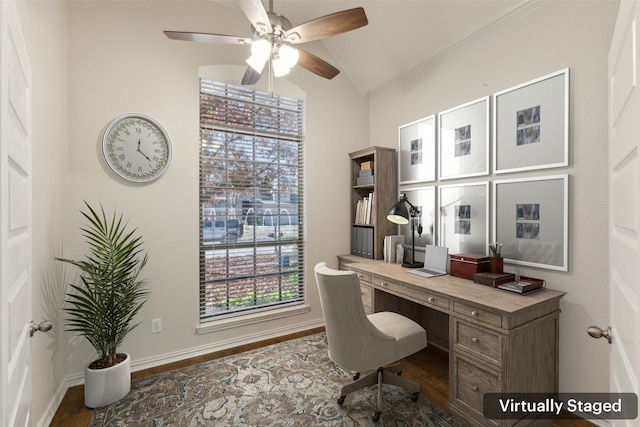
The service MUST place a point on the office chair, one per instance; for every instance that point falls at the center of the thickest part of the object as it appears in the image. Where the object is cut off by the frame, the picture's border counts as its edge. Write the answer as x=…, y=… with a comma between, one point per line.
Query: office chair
x=360, y=343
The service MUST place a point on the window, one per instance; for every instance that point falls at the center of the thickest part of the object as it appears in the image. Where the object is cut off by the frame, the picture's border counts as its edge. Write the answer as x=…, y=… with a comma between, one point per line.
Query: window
x=251, y=200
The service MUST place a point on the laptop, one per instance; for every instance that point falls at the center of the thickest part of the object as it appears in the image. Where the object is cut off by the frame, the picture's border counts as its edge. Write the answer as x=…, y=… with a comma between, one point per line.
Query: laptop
x=435, y=262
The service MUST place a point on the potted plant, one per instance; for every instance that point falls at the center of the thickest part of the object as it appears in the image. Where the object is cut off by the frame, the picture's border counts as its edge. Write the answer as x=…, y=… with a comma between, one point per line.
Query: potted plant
x=102, y=306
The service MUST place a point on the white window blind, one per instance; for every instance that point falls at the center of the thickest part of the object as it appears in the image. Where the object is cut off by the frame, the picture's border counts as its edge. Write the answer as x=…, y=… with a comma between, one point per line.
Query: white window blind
x=251, y=200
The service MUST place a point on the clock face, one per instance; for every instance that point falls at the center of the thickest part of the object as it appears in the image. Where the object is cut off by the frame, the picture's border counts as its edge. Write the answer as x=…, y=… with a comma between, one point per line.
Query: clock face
x=136, y=148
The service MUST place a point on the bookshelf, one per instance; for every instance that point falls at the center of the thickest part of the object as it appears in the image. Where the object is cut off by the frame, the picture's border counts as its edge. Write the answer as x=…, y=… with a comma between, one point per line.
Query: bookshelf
x=371, y=199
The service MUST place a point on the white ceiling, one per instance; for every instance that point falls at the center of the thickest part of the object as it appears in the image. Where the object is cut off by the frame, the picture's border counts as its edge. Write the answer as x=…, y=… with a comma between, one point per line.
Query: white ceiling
x=401, y=34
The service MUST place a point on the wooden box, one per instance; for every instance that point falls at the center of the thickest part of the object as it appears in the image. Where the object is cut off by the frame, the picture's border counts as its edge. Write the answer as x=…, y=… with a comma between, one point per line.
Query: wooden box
x=466, y=265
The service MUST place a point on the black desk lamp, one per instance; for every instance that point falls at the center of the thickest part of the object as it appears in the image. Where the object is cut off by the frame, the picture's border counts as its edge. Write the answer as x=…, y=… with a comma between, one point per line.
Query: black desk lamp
x=400, y=215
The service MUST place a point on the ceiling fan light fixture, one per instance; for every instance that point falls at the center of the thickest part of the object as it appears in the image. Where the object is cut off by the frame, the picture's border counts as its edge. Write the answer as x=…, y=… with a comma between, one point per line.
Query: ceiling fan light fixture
x=280, y=68
x=261, y=49
x=288, y=55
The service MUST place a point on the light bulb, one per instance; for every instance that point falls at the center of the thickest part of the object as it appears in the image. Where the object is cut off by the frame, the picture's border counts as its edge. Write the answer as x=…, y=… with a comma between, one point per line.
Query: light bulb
x=289, y=55
x=260, y=51
x=261, y=48
x=280, y=68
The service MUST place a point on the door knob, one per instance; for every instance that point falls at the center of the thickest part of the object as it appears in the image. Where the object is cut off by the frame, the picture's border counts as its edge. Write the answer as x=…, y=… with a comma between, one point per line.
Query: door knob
x=43, y=326
x=596, y=332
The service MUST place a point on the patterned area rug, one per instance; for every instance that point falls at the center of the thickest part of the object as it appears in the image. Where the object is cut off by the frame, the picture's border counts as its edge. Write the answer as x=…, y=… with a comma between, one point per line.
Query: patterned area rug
x=293, y=383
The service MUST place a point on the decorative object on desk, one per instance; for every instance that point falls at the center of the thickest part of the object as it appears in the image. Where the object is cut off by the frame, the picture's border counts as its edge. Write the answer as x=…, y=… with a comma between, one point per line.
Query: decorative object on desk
x=496, y=249
x=399, y=253
x=423, y=198
x=466, y=265
x=390, y=247
x=523, y=285
x=496, y=265
x=496, y=262
x=493, y=279
x=398, y=214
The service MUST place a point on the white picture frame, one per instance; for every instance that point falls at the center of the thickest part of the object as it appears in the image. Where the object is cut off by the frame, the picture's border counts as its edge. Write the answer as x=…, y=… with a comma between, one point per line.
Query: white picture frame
x=424, y=198
x=463, y=210
x=463, y=140
x=531, y=125
x=531, y=221
x=417, y=151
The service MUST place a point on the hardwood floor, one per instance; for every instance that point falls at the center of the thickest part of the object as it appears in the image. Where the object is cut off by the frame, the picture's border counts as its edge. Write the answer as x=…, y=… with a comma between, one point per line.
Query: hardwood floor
x=429, y=367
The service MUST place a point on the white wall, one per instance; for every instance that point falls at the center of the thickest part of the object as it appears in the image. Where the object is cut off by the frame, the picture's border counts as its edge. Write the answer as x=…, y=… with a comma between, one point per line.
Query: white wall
x=119, y=62
x=553, y=36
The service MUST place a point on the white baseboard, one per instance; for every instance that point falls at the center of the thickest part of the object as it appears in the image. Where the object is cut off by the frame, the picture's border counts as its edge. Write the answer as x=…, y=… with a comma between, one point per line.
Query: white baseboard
x=54, y=403
x=150, y=362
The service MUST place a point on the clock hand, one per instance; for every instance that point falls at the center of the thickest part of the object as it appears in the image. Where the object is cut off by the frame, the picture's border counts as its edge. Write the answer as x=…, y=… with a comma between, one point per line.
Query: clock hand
x=140, y=151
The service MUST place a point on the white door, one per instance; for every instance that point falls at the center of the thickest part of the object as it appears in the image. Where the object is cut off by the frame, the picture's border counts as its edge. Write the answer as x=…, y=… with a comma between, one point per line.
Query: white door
x=624, y=205
x=15, y=221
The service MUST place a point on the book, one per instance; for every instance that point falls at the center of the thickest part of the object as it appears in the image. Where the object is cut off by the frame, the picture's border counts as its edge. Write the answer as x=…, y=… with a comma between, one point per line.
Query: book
x=390, y=243
x=365, y=213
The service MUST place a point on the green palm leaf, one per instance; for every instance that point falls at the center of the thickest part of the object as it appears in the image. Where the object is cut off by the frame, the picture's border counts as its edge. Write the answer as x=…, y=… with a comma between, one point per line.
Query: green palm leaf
x=102, y=307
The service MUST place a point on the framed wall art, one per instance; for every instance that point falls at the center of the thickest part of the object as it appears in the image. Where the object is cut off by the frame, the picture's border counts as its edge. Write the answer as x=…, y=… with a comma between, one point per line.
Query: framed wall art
x=464, y=217
x=531, y=124
x=530, y=218
x=424, y=199
x=417, y=151
x=463, y=136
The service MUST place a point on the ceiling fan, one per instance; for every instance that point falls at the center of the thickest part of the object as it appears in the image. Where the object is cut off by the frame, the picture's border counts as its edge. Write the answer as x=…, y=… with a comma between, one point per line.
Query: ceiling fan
x=274, y=35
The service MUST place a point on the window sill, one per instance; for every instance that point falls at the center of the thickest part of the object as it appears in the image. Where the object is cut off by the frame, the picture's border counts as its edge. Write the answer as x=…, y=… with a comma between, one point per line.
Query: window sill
x=250, y=319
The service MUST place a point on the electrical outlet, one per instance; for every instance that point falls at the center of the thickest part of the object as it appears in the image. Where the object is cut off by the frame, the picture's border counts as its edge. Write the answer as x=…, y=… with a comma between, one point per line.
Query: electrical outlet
x=156, y=326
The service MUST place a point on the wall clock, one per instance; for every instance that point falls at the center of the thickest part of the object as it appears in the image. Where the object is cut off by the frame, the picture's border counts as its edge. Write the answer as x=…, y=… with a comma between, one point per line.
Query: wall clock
x=136, y=148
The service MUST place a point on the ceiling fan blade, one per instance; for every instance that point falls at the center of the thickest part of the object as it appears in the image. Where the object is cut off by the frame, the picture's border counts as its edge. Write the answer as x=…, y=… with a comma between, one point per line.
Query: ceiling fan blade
x=207, y=38
x=250, y=77
x=327, y=26
x=317, y=66
x=256, y=14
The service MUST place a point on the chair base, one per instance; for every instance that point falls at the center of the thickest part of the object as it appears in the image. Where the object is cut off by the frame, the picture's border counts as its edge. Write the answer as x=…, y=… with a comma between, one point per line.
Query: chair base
x=389, y=375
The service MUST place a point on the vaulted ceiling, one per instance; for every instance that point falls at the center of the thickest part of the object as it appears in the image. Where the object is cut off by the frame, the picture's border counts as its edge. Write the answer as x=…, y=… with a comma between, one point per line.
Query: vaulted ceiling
x=401, y=34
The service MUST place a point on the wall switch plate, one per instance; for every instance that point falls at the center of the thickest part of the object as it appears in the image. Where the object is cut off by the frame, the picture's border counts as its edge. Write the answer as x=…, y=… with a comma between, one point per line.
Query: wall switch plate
x=156, y=326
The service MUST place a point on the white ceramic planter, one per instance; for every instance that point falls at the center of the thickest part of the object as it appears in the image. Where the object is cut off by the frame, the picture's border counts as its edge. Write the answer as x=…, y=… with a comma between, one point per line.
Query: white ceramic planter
x=105, y=386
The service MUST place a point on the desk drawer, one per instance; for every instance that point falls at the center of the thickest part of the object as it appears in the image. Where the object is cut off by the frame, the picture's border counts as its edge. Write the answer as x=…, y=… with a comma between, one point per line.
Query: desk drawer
x=478, y=314
x=471, y=384
x=365, y=278
x=419, y=296
x=484, y=344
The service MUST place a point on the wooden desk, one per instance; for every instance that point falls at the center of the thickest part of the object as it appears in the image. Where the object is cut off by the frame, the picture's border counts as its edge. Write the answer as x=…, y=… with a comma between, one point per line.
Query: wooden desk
x=497, y=341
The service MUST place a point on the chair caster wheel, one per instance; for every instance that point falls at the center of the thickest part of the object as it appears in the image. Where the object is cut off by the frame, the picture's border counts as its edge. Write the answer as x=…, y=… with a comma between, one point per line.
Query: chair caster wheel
x=341, y=400
x=356, y=376
x=376, y=417
x=415, y=396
